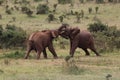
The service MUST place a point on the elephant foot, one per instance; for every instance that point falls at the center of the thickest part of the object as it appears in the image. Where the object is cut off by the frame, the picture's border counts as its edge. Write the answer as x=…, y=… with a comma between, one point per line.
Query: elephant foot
x=87, y=55
x=46, y=57
x=25, y=57
x=56, y=57
x=98, y=55
x=71, y=56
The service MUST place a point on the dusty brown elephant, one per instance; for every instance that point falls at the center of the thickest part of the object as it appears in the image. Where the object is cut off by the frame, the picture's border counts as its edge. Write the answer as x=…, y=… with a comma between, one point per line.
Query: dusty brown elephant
x=81, y=39
x=40, y=40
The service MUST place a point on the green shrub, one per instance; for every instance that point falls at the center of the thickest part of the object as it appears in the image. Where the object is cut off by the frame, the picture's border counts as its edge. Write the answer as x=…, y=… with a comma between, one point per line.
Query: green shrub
x=99, y=1
x=55, y=6
x=29, y=13
x=12, y=36
x=106, y=38
x=64, y=1
x=24, y=9
x=97, y=26
x=96, y=9
x=81, y=1
x=38, y=0
x=8, y=11
x=1, y=30
x=42, y=9
x=61, y=18
x=51, y=18
x=1, y=1
x=14, y=55
x=71, y=68
x=90, y=10
x=1, y=71
x=82, y=13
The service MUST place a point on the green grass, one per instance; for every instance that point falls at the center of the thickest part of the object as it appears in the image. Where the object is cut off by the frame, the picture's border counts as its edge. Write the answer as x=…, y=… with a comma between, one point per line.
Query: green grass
x=52, y=69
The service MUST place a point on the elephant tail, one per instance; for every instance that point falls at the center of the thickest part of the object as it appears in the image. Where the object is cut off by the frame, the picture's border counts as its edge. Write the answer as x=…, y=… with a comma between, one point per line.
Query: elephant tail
x=31, y=44
x=91, y=41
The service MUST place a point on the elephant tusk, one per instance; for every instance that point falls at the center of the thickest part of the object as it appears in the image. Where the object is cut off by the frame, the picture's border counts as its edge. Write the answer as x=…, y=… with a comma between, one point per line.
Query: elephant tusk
x=62, y=32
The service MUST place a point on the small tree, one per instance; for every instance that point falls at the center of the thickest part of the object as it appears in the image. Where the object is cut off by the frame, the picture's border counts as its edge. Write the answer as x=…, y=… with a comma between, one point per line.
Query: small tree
x=64, y=1
x=61, y=18
x=1, y=30
x=1, y=1
x=24, y=9
x=99, y=1
x=37, y=0
x=96, y=9
x=29, y=13
x=82, y=13
x=81, y=1
x=0, y=16
x=55, y=6
x=8, y=11
x=42, y=9
x=78, y=18
x=90, y=10
x=50, y=17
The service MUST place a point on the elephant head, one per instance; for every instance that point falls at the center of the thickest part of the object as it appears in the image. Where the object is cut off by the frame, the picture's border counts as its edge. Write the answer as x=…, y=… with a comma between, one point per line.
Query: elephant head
x=54, y=33
x=68, y=32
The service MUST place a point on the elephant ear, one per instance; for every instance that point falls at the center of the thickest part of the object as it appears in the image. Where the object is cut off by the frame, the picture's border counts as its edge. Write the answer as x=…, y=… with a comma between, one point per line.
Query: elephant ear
x=74, y=32
x=54, y=34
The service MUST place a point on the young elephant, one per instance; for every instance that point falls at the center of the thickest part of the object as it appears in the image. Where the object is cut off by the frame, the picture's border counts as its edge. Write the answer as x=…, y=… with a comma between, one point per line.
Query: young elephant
x=38, y=41
x=81, y=39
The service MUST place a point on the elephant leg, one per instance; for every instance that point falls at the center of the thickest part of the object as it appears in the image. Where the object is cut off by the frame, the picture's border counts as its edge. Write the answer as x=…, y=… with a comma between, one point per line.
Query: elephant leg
x=38, y=54
x=52, y=50
x=28, y=52
x=94, y=50
x=86, y=51
x=73, y=47
x=45, y=54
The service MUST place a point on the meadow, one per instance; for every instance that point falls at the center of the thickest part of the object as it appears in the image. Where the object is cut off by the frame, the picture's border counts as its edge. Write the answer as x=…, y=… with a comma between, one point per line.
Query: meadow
x=80, y=67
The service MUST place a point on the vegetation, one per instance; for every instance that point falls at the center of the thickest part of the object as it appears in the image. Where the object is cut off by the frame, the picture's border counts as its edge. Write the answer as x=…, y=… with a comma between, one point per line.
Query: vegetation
x=64, y=1
x=12, y=36
x=103, y=22
x=42, y=9
x=109, y=37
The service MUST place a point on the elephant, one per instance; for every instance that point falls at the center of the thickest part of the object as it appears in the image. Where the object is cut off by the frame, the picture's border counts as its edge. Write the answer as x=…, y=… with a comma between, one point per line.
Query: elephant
x=82, y=39
x=39, y=41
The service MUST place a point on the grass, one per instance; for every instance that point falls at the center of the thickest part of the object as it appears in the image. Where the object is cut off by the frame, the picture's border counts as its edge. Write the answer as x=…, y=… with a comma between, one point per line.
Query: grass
x=82, y=67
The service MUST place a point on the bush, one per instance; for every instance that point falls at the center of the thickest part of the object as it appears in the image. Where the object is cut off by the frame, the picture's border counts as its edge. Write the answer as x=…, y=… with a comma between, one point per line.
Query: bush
x=29, y=13
x=42, y=9
x=51, y=18
x=97, y=26
x=12, y=36
x=24, y=9
x=106, y=38
x=99, y=1
x=1, y=1
x=81, y=1
x=14, y=55
x=37, y=0
x=96, y=9
x=64, y=1
x=70, y=67
x=90, y=10
x=61, y=18
x=8, y=11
